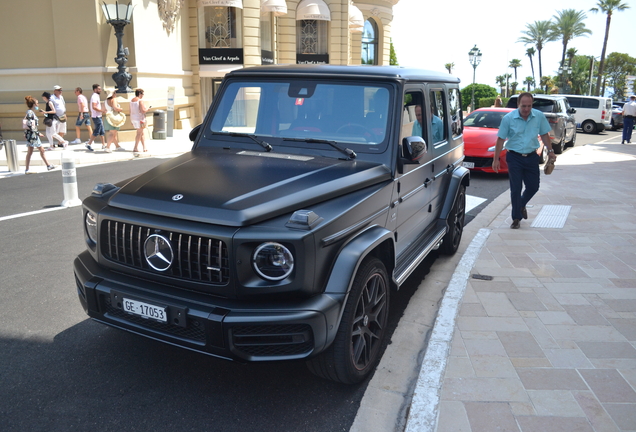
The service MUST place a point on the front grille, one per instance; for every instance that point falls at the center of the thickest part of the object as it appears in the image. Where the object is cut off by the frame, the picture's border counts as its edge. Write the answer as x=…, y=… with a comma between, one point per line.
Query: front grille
x=199, y=259
x=273, y=340
x=194, y=331
x=479, y=162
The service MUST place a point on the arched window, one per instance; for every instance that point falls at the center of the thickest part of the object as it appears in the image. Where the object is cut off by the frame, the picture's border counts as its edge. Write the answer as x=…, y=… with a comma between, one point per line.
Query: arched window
x=370, y=43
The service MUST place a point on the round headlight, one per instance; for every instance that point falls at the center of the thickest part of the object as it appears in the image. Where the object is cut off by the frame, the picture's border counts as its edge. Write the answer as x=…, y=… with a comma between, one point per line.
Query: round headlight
x=91, y=226
x=273, y=261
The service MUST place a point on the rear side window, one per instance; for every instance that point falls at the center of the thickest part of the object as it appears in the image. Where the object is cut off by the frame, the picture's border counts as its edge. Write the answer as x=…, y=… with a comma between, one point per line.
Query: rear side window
x=438, y=116
x=590, y=103
x=543, y=105
x=575, y=102
x=455, y=107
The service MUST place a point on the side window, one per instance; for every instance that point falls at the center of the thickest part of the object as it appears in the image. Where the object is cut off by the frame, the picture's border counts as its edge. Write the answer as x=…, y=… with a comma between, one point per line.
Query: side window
x=574, y=102
x=437, y=114
x=456, y=115
x=412, y=116
x=590, y=103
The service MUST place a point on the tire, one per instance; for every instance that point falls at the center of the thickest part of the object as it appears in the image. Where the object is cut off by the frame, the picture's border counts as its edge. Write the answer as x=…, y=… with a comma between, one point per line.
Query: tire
x=572, y=141
x=356, y=349
x=558, y=148
x=456, y=219
x=612, y=127
x=589, y=127
x=543, y=156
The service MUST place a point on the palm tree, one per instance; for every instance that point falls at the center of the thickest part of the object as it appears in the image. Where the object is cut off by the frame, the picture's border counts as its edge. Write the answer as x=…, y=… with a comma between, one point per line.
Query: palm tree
x=607, y=7
x=501, y=82
x=515, y=63
x=538, y=34
x=568, y=24
x=571, y=53
x=529, y=81
x=507, y=77
x=547, y=83
x=530, y=52
x=449, y=67
x=514, y=87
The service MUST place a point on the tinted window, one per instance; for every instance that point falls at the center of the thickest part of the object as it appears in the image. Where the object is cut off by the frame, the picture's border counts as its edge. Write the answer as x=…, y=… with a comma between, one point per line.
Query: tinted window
x=438, y=116
x=455, y=106
x=574, y=102
x=590, y=103
x=543, y=105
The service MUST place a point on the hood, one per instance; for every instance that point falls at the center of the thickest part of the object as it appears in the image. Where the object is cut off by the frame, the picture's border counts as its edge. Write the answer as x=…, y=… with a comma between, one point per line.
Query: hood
x=239, y=188
x=479, y=137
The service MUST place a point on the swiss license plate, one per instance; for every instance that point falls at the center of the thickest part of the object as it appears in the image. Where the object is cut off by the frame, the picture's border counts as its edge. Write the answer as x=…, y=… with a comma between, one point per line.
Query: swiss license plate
x=145, y=310
x=468, y=164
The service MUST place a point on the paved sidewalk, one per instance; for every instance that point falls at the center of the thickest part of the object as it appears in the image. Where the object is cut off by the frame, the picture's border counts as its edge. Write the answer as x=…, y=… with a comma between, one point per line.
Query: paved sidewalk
x=545, y=335
x=171, y=146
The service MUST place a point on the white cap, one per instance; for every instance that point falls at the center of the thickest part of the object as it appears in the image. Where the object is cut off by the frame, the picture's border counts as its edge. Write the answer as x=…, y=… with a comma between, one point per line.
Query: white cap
x=57, y=87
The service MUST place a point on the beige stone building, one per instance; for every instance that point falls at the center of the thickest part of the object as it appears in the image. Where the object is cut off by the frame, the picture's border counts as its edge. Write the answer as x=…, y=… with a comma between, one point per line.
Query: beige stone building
x=177, y=47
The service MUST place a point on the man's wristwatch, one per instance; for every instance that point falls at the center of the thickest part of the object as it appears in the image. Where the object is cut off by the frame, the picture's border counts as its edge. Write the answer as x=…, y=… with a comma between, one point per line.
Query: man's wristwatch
x=551, y=151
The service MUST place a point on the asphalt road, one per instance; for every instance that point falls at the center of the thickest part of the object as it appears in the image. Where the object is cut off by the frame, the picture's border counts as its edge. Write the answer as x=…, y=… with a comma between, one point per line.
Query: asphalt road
x=62, y=372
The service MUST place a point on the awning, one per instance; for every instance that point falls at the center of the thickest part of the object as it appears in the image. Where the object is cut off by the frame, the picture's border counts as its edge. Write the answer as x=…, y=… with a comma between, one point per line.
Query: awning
x=313, y=10
x=356, y=19
x=227, y=3
x=277, y=7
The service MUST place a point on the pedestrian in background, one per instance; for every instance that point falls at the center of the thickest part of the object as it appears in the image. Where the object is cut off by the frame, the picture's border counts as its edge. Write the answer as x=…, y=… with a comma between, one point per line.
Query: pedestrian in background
x=629, y=116
x=96, y=115
x=111, y=106
x=60, y=109
x=138, y=112
x=32, y=135
x=521, y=128
x=52, y=123
x=83, y=116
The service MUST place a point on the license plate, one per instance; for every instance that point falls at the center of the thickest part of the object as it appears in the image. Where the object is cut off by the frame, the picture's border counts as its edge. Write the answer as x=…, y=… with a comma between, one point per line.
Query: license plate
x=145, y=310
x=468, y=164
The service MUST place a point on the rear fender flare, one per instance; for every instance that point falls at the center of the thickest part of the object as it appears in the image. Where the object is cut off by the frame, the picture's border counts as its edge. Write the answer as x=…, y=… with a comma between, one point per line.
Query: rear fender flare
x=460, y=177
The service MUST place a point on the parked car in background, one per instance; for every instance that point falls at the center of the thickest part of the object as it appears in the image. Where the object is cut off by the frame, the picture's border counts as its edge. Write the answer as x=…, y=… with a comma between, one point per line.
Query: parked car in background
x=480, y=137
x=617, y=117
x=593, y=113
x=560, y=116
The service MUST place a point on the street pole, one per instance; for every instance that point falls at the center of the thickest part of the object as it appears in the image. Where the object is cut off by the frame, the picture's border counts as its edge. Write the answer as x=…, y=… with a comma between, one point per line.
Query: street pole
x=474, y=57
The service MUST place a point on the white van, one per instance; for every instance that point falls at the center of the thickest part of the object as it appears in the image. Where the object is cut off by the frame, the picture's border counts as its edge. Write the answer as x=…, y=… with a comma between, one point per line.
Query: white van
x=593, y=113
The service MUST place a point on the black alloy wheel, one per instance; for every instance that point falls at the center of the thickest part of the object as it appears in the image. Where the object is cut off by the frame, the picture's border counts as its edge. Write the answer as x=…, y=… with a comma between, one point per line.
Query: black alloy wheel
x=356, y=349
x=455, y=220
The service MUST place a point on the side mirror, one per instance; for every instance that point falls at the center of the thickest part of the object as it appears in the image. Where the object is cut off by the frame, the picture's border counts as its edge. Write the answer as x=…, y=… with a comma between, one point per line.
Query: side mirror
x=194, y=133
x=413, y=147
x=572, y=110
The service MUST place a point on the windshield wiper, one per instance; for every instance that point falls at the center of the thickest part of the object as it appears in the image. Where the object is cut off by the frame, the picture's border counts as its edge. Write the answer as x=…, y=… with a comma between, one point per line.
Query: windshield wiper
x=348, y=152
x=267, y=146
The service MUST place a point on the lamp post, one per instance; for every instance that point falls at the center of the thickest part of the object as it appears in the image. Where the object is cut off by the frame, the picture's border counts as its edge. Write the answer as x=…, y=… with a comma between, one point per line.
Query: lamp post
x=564, y=71
x=474, y=57
x=119, y=16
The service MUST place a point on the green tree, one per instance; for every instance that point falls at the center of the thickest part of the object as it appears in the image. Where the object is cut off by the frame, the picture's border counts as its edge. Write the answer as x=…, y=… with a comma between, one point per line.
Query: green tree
x=481, y=91
x=617, y=67
x=568, y=24
x=392, y=56
x=515, y=63
x=547, y=83
x=530, y=52
x=538, y=34
x=580, y=76
x=501, y=82
x=507, y=77
x=607, y=7
x=449, y=67
x=529, y=81
x=513, y=88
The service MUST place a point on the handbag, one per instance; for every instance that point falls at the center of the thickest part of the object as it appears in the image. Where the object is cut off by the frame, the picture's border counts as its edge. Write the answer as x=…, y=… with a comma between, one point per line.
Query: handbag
x=548, y=167
x=48, y=121
x=115, y=119
x=62, y=118
x=26, y=125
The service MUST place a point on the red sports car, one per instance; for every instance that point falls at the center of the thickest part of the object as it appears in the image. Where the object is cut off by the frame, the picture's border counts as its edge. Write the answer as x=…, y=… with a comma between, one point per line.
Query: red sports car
x=480, y=137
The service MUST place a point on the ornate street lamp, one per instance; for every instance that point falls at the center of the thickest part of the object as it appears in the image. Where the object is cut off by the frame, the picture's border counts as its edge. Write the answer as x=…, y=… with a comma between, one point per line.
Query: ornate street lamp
x=564, y=71
x=119, y=16
x=474, y=57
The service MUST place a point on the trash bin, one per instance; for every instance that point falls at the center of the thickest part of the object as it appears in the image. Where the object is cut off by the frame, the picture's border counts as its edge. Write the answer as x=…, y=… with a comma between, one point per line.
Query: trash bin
x=159, y=125
x=11, y=149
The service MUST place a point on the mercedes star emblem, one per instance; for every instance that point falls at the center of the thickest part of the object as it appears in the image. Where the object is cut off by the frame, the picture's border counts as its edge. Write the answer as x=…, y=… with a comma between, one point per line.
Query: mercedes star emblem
x=177, y=197
x=158, y=252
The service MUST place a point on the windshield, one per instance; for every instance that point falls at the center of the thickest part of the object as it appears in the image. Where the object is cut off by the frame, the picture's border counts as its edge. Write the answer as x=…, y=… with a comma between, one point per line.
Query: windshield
x=286, y=113
x=484, y=119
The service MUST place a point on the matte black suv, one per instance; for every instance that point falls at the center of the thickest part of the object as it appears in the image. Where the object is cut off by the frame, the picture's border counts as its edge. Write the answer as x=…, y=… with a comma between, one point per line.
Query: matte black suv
x=559, y=114
x=310, y=193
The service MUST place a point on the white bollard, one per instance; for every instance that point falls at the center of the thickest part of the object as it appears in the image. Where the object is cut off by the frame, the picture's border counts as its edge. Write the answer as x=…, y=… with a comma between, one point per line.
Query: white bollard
x=69, y=181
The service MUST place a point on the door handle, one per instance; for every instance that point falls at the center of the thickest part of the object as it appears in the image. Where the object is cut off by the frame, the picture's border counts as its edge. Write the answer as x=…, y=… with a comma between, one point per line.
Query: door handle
x=427, y=182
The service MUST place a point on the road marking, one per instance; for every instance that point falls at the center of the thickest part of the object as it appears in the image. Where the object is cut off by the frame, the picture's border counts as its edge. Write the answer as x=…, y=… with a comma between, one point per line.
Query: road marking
x=19, y=215
x=423, y=414
x=472, y=202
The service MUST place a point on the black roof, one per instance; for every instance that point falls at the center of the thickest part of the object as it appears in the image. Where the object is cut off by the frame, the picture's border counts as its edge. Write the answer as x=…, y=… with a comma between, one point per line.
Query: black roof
x=369, y=72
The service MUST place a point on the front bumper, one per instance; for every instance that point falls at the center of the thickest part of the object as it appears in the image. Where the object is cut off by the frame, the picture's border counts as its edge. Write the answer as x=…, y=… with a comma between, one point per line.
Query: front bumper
x=230, y=329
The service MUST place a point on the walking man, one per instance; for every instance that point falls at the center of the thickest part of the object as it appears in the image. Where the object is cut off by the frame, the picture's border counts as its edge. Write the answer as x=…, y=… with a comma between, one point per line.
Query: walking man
x=521, y=128
x=629, y=115
x=83, y=116
x=60, y=109
x=96, y=115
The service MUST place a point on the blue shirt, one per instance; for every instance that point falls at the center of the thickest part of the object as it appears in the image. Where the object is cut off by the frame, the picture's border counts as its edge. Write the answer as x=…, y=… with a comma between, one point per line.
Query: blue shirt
x=522, y=134
x=437, y=127
x=417, y=129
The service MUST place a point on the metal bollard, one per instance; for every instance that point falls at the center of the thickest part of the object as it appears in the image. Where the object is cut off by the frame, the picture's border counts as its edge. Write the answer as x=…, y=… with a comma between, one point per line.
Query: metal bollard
x=69, y=181
x=11, y=149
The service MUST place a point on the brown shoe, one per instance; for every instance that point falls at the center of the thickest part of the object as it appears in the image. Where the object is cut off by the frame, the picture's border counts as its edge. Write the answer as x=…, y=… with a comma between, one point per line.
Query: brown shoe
x=516, y=224
x=524, y=213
